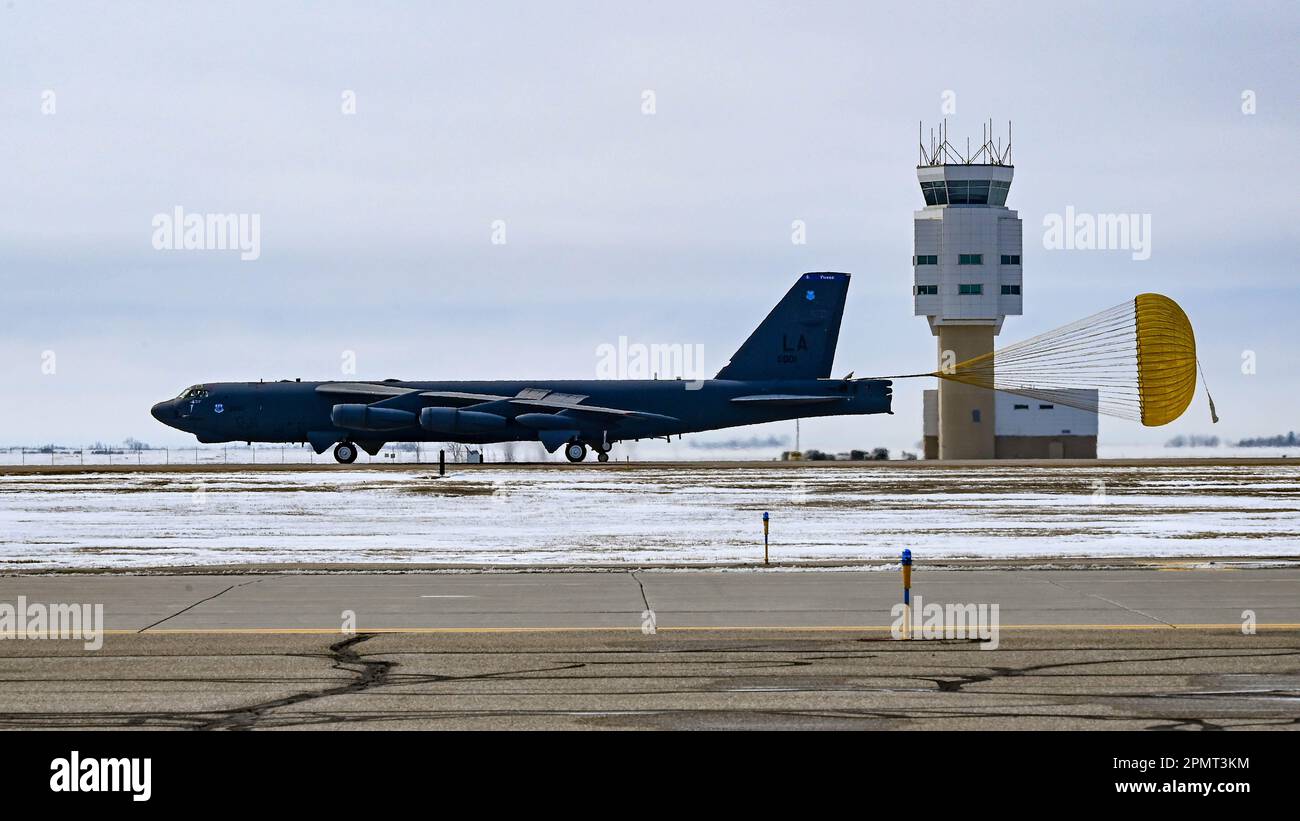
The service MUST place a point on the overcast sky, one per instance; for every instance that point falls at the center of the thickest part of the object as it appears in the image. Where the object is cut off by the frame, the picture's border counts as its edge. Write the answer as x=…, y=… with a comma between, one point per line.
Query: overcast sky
x=665, y=227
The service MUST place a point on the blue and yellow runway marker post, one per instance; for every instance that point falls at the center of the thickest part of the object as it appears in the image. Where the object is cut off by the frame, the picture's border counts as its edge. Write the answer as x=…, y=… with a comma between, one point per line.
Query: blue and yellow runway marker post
x=765, y=526
x=907, y=593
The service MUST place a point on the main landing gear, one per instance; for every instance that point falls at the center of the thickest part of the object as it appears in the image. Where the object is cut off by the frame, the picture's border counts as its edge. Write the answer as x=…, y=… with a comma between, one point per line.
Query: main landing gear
x=575, y=451
x=345, y=452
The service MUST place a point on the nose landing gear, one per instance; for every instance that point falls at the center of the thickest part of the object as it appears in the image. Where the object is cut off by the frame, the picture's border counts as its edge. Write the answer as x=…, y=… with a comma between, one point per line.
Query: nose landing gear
x=345, y=453
x=602, y=449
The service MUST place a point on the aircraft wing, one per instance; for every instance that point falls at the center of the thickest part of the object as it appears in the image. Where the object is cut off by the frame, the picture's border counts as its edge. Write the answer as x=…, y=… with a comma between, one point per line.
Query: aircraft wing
x=540, y=398
x=532, y=397
x=362, y=389
x=565, y=404
x=784, y=399
x=462, y=396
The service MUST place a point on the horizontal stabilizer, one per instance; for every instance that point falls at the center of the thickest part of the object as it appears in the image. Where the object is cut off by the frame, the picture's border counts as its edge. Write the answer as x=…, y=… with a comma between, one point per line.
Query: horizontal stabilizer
x=785, y=399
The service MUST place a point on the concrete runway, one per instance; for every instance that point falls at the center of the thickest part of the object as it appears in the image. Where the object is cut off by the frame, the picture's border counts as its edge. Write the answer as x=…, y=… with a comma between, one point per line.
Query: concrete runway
x=613, y=599
x=1094, y=649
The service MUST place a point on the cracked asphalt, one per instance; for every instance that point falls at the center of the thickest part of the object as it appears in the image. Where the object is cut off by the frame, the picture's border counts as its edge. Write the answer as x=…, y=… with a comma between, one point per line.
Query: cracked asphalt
x=1157, y=680
x=1108, y=649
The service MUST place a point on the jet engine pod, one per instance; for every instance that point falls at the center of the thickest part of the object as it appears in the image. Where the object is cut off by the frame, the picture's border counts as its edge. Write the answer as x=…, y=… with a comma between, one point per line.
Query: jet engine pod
x=454, y=420
x=545, y=421
x=364, y=417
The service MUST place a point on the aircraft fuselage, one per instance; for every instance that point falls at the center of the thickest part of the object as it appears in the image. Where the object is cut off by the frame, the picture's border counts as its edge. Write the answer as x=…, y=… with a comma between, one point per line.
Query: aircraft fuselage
x=305, y=411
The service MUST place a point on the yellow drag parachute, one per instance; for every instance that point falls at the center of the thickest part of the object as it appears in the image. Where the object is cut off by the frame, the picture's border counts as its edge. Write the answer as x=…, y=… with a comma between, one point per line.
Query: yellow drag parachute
x=1139, y=357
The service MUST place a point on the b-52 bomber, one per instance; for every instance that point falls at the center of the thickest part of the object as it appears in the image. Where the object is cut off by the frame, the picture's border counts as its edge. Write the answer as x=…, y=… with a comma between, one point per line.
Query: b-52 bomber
x=782, y=371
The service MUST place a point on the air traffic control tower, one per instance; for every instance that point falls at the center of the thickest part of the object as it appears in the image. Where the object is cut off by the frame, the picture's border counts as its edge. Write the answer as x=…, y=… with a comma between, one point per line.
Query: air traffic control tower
x=967, y=275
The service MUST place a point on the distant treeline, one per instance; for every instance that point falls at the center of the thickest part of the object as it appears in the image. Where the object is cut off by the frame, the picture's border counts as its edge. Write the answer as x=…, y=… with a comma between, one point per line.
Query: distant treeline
x=741, y=444
x=874, y=455
x=1288, y=440
x=1193, y=441
x=99, y=448
x=1280, y=441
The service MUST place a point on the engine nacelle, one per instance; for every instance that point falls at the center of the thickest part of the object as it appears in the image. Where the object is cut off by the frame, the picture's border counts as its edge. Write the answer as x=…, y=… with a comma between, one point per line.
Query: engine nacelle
x=364, y=417
x=454, y=420
x=546, y=421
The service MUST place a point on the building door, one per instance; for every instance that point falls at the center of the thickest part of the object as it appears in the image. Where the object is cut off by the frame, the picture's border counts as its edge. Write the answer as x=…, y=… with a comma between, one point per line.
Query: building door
x=1056, y=449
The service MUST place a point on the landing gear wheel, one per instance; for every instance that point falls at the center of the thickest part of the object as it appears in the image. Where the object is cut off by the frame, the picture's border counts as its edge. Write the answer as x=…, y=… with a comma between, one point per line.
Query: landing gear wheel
x=345, y=452
x=575, y=452
x=603, y=456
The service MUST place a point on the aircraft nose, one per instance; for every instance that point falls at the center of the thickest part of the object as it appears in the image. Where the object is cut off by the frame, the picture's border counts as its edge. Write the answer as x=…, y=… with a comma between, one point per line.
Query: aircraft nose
x=162, y=412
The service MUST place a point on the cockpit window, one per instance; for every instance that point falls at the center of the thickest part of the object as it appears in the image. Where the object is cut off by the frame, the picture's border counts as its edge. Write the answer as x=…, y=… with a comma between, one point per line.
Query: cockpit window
x=196, y=392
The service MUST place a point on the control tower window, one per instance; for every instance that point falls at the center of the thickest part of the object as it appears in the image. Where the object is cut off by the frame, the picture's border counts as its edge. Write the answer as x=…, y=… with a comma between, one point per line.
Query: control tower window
x=970, y=259
x=927, y=290
x=1011, y=290
x=966, y=192
x=1010, y=259
x=970, y=289
x=934, y=193
x=925, y=259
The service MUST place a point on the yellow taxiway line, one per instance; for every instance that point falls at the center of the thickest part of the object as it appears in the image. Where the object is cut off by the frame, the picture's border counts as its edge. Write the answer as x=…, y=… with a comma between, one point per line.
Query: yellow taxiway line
x=323, y=631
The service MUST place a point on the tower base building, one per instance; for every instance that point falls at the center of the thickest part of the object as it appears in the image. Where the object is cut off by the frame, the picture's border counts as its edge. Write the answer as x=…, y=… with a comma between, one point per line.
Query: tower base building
x=967, y=414
x=1027, y=428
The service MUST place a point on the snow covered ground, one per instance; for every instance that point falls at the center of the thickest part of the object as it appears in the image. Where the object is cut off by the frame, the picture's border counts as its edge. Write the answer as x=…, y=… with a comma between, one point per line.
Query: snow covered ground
x=662, y=513
x=677, y=450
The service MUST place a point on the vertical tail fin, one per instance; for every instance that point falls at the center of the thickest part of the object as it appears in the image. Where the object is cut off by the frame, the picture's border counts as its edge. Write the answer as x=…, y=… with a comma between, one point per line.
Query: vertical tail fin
x=798, y=338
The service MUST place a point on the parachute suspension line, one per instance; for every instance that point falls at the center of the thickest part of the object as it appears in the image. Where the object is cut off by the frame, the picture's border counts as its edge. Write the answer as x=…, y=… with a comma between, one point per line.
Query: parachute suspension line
x=1134, y=361
x=1214, y=416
